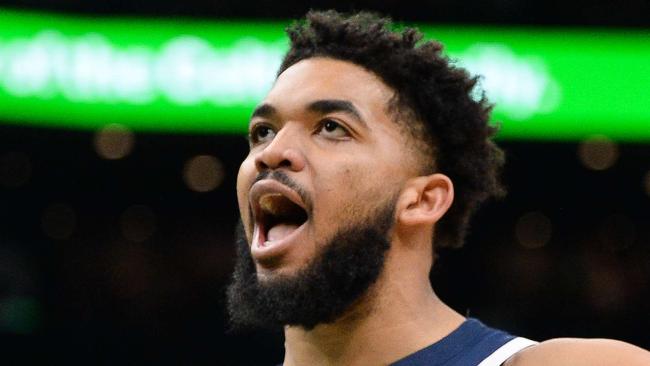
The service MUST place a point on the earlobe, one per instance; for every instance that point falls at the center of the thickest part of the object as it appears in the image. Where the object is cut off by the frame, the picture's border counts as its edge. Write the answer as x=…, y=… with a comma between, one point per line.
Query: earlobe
x=425, y=200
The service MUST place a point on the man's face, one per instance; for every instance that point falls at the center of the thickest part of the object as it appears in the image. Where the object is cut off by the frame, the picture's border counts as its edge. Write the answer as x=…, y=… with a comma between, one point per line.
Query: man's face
x=325, y=125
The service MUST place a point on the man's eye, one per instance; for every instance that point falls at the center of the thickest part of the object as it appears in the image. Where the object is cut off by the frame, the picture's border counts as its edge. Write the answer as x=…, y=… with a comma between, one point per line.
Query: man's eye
x=261, y=133
x=333, y=129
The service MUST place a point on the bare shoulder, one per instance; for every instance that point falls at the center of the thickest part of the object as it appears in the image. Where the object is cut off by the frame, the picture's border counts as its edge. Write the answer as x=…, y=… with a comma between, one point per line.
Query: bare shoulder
x=579, y=352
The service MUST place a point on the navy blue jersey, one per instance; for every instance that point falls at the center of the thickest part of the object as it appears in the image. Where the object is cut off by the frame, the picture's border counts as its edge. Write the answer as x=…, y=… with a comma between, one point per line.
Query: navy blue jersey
x=471, y=344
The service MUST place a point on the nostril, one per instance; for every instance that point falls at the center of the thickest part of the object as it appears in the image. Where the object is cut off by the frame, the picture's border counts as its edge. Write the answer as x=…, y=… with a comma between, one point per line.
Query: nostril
x=261, y=165
x=285, y=163
x=273, y=157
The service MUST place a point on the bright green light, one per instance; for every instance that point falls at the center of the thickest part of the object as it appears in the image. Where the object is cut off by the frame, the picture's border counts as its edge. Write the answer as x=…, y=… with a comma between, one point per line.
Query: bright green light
x=185, y=70
x=199, y=76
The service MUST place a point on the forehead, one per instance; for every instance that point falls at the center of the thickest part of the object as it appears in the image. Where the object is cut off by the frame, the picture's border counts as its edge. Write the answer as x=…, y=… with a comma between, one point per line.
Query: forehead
x=326, y=78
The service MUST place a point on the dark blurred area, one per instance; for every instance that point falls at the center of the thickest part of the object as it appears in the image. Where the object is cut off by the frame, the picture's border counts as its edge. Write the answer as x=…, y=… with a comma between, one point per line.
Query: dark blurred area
x=117, y=249
x=626, y=13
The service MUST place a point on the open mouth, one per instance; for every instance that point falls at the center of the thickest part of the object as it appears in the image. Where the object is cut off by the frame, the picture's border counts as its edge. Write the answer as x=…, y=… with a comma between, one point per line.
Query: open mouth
x=277, y=217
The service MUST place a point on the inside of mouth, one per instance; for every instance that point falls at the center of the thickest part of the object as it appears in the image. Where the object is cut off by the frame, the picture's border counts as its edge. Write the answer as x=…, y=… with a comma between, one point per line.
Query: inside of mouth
x=281, y=211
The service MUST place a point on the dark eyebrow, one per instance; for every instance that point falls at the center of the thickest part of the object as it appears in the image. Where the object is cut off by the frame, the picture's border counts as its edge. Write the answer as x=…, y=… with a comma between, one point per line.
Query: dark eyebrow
x=264, y=111
x=323, y=106
x=336, y=105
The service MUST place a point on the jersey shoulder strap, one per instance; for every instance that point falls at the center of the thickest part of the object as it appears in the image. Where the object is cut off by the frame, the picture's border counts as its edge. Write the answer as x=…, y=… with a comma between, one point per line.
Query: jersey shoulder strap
x=506, y=351
x=471, y=344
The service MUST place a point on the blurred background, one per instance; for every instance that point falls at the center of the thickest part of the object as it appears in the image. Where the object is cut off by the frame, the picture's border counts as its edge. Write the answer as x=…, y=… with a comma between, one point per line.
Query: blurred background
x=122, y=128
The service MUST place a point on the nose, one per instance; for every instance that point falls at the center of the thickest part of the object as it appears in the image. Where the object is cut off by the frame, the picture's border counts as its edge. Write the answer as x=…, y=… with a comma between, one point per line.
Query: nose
x=282, y=152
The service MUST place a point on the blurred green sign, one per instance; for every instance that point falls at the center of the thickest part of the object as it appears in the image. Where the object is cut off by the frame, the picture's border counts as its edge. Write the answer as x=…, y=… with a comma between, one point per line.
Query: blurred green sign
x=205, y=76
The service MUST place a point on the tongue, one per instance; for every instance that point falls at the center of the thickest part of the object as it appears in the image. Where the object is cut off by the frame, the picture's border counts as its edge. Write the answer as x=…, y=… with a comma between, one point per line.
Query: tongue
x=280, y=231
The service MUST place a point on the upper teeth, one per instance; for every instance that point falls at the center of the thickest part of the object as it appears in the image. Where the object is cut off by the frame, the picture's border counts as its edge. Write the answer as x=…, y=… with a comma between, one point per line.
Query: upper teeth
x=273, y=203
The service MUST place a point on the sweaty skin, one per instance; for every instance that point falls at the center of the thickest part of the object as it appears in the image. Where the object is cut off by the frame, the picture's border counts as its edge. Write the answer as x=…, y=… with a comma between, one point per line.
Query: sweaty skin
x=325, y=123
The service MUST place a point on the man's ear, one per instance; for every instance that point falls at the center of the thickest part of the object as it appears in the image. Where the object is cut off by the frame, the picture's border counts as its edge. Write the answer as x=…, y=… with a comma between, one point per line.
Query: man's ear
x=424, y=200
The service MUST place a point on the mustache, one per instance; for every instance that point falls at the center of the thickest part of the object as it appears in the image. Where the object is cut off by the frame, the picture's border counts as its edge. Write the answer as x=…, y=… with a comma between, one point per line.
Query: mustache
x=284, y=178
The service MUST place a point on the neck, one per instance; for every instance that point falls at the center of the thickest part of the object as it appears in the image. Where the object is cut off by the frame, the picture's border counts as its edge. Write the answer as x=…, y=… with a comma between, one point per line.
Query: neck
x=399, y=315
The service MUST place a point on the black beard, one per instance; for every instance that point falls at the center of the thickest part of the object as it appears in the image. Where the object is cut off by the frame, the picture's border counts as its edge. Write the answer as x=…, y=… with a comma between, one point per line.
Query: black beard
x=343, y=271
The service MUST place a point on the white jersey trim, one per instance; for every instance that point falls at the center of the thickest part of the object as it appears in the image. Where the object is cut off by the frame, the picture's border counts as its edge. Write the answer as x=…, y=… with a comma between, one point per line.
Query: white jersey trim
x=506, y=351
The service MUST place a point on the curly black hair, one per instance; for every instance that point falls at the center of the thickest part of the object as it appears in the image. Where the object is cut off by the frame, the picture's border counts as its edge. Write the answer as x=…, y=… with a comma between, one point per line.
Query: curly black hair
x=433, y=99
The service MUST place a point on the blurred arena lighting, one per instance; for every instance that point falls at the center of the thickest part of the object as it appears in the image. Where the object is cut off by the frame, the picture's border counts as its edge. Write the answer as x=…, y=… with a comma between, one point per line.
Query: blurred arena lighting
x=19, y=314
x=616, y=233
x=203, y=173
x=598, y=153
x=15, y=169
x=114, y=141
x=606, y=286
x=186, y=75
x=138, y=223
x=59, y=221
x=533, y=230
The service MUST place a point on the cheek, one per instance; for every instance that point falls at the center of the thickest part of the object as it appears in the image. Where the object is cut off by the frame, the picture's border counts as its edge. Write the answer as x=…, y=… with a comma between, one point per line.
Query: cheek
x=245, y=177
x=348, y=191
